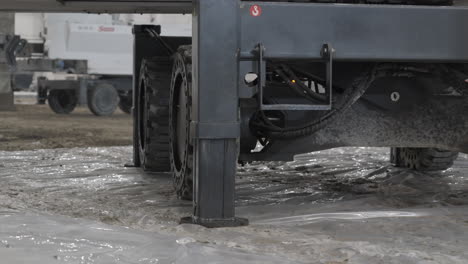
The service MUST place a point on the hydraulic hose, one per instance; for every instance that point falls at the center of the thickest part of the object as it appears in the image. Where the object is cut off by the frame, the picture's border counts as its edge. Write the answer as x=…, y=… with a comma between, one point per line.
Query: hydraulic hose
x=358, y=87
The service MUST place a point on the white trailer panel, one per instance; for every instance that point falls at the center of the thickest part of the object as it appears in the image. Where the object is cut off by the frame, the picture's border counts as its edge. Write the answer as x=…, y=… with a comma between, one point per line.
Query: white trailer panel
x=105, y=40
x=107, y=48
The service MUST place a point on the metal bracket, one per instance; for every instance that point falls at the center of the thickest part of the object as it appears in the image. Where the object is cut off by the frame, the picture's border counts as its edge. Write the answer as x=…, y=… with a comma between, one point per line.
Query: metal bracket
x=326, y=53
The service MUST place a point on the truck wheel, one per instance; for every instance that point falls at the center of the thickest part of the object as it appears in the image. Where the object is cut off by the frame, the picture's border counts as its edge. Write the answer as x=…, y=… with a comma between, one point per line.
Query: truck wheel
x=62, y=101
x=41, y=90
x=423, y=159
x=153, y=114
x=125, y=104
x=180, y=115
x=102, y=99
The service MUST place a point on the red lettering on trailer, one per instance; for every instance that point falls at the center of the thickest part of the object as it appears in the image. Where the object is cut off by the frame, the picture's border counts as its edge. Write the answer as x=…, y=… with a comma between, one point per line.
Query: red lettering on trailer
x=255, y=10
x=106, y=29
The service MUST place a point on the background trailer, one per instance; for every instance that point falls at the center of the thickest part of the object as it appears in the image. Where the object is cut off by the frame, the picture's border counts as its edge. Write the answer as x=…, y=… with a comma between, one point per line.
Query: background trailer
x=85, y=58
x=269, y=80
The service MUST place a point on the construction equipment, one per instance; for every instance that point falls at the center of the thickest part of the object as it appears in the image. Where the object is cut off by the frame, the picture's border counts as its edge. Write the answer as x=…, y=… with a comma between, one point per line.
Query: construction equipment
x=90, y=56
x=268, y=80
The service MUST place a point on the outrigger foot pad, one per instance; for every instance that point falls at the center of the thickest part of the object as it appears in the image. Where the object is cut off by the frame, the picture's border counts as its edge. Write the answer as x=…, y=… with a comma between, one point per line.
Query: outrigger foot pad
x=215, y=223
x=130, y=165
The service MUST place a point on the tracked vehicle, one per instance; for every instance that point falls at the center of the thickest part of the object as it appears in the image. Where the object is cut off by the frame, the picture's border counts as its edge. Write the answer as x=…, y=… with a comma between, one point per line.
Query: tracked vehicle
x=263, y=81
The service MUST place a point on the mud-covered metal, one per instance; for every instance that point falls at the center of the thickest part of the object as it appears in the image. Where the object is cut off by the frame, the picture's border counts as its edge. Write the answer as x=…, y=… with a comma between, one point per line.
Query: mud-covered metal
x=429, y=113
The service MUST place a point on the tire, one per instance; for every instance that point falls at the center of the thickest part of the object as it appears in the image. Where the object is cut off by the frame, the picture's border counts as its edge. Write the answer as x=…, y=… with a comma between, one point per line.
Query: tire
x=103, y=99
x=181, y=147
x=136, y=137
x=125, y=104
x=153, y=114
x=423, y=159
x=62, y=101
x=41, y=90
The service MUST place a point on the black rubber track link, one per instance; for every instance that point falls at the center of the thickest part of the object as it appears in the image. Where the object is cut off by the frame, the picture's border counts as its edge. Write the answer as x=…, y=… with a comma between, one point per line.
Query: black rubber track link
x=423, y=159
x=62, y=101
x=393, y=2
x=153, y=114
x=180, y=117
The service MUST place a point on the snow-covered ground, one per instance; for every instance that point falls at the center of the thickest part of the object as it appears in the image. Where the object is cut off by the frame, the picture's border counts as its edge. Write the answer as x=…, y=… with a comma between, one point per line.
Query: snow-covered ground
x=345, y=205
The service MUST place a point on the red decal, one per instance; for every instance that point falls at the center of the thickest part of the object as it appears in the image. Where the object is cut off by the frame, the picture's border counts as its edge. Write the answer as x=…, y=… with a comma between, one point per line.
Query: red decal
x=255, y=10
x=106, y=29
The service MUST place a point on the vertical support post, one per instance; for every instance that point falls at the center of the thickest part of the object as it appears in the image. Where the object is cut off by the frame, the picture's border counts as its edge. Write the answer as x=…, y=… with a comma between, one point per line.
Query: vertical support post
x=215, y=123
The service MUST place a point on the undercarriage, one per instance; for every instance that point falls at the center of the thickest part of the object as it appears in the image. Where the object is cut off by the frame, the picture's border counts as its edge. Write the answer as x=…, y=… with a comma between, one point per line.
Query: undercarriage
x=262, y=81
x=301, y=89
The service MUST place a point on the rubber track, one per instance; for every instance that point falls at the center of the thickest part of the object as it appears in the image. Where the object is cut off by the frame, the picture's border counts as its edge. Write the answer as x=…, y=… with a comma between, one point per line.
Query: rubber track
x=155, y=155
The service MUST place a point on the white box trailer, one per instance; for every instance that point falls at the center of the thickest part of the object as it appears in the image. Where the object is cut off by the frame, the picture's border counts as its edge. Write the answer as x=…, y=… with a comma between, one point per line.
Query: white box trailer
x=104, y=42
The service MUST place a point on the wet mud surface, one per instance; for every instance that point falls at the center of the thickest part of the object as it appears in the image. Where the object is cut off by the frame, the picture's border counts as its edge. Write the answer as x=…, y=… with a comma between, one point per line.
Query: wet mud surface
x=346, y=205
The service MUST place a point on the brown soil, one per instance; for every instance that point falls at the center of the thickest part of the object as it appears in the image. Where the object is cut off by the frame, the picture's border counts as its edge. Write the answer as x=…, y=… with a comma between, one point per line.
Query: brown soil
x=37, y=127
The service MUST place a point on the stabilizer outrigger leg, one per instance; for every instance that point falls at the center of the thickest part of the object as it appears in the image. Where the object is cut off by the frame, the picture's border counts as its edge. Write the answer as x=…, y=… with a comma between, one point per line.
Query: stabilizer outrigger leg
x=215, y=127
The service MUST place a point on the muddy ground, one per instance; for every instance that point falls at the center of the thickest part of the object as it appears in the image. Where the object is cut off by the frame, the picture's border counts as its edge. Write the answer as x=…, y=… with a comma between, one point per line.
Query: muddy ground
x=37, y=127
x=346, y=205
x=64, y=200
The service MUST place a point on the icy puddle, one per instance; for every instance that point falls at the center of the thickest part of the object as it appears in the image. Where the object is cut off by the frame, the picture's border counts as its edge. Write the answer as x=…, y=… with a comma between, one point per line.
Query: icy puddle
x=345, y=205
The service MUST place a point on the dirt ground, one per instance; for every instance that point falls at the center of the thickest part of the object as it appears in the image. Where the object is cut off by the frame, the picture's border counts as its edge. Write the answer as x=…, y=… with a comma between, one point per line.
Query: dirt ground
x=37, y=127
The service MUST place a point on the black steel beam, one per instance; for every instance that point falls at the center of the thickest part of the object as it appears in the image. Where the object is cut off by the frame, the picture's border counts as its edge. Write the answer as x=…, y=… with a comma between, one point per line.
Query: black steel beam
x=357, y=32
